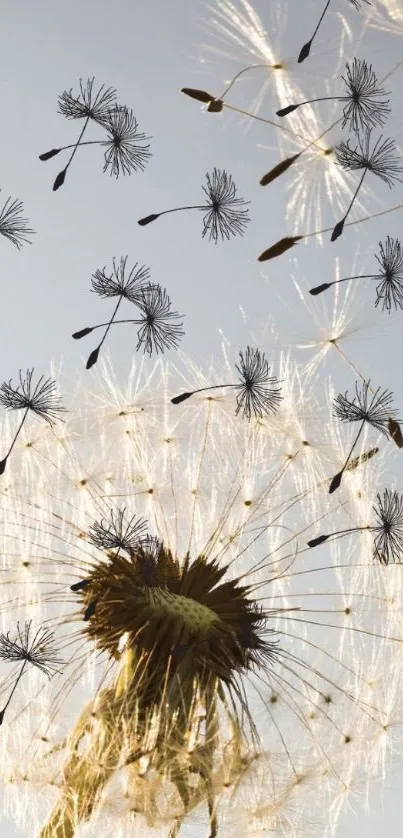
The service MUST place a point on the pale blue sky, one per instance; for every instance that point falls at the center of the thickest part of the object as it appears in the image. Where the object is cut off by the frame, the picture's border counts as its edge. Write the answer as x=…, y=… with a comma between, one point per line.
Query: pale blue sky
x=148, y=51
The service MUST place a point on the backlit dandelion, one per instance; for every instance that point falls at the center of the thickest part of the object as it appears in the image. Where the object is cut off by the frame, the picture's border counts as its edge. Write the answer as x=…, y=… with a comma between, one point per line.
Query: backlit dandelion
x=225, y=214
x=205, y=648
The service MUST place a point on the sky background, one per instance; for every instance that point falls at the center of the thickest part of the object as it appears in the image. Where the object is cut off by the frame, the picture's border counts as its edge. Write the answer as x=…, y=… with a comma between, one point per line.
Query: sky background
x=148, y=51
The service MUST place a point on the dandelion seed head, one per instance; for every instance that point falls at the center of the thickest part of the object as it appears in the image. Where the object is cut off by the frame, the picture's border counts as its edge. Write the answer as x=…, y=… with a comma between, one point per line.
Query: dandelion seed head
x=200, y=521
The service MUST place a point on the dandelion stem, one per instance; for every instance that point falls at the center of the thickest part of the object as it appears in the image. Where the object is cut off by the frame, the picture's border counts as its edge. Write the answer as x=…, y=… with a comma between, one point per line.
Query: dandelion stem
x=183, y=396
x=148, y=218
x=338, y=229
x=94, y=354
x=290, y=108
x=319, y=288
x=78, y=142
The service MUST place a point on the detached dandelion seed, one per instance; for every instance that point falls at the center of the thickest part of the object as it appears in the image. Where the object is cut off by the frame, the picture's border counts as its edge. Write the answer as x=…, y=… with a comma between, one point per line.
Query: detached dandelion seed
x=13, y=225
x=363, y=109
x=381, y=161
x=388, y=531
x=87, y=105
x=42, y=400
x=225, y=215
x=373, y=408
x=388, y=543
x=40, y=652
x=121, y=283
x=389, y=290
x=256, y=394
x=305, y=50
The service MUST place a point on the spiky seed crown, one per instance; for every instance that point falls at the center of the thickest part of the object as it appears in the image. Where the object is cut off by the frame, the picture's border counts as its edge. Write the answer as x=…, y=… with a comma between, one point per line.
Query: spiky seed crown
x=171, y=607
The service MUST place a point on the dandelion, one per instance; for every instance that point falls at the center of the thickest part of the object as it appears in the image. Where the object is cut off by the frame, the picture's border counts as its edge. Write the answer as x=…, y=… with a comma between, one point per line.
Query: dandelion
x=13, y=225
x=42, y=400
x=40, y=652
x=305, y=50
x=223, y=214
x=363, y=109
x=212, y=652
x=388, y=530
x=389, y=290
x=375, y=409
x=256, y=394
x=381, y=161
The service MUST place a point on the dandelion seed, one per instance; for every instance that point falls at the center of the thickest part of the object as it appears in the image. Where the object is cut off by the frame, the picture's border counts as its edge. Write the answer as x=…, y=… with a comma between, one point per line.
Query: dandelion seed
x=388, y=543
x=125, y=149
x=389, y=290
x=381, y=161
x=87, y=105
x=40, y=652
x=305, y=50
x=13, y=225
x=42, y=400
x=223, y=214
x=388, y=531
x=373, y=409
x=126, y=285
x=157, y=331
x=363, y=109
x=256, y=392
